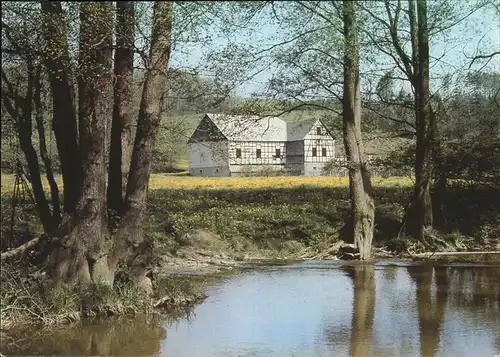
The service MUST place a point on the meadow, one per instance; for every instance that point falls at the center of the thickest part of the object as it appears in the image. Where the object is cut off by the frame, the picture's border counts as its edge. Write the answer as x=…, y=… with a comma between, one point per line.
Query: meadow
x=183, y=182
x=283, y=214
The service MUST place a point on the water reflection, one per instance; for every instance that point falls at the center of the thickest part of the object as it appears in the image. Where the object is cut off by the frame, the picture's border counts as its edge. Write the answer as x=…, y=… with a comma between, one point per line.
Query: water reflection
x=124, y=337
x=312, y=310
x=363, y=279
x=430, y=308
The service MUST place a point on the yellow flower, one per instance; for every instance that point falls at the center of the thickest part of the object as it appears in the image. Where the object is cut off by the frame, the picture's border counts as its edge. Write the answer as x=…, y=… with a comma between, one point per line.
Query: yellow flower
x=176, y=182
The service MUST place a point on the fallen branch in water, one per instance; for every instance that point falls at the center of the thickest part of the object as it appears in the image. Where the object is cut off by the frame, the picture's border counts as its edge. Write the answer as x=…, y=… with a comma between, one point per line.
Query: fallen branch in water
x=430, y=254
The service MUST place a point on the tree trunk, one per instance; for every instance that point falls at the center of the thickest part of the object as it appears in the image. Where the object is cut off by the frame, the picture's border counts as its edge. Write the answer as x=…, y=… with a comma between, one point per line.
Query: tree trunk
x=64, y=115
x=54, y=189
x=82, y=257
x=129, y=242
x=86, y=250
x=419, y=216
x=123, y=116
x=21, y=110
x=439, y=186
x=362, y=204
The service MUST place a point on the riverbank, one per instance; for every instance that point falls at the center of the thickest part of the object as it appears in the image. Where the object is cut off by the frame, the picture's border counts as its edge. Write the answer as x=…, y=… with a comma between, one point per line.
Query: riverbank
x=181, y=284
x=29, y=298
x=180, y=280
x=204, y=228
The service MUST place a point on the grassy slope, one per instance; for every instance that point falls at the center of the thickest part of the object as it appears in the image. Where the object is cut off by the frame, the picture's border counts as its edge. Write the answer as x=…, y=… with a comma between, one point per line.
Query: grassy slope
x=288, y=213
x=279, y=219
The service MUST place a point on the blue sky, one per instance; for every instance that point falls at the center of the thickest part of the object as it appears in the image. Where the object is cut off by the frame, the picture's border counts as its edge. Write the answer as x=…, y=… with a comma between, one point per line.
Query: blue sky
x=480, y=33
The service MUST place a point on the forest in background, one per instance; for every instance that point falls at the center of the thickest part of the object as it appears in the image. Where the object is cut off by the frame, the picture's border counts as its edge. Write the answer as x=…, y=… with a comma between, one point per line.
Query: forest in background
x=468, y=118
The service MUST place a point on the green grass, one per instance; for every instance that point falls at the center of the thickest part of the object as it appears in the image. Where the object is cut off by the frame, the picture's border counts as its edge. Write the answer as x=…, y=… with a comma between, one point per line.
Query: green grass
x=276, y=211
x=271, y=219
x=281, y=218
x=28, y=298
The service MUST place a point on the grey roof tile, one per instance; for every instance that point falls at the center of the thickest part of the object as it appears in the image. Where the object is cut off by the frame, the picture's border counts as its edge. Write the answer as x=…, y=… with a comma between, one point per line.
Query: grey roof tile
x=250, y=128
x=255, y=128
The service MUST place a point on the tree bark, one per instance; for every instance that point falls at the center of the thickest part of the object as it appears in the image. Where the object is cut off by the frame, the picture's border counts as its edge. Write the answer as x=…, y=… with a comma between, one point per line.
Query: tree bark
x=129, y=242
x=122, y=139
x=82, y=257
x=86, y=250
x=419, y=217
x=362, y=204
x=54, y=189
x=439, y=186
x=21, y=110
x=64, y=114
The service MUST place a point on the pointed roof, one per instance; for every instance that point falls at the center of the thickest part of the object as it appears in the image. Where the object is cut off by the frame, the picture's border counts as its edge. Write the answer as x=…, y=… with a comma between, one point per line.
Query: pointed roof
x=297, y=130
x=251, y=128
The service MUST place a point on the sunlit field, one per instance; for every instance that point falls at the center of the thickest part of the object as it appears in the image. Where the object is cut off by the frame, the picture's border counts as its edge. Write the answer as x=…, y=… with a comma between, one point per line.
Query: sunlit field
x=186, y=182
x=181, y=181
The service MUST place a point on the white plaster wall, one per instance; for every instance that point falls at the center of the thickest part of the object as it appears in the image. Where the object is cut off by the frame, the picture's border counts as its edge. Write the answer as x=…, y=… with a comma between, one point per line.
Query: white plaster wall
x=209, y=158
x=314, y=168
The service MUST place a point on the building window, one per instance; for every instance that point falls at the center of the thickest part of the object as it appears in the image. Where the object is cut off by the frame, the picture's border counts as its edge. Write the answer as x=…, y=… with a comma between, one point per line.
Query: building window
x=323, y=151
x=278, y=153
x=315, y=152
x=318, y=130
x=238, y=153
x=259, y=153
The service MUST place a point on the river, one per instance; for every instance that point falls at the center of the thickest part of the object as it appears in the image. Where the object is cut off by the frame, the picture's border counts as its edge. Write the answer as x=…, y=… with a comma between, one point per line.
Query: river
x=327, y=308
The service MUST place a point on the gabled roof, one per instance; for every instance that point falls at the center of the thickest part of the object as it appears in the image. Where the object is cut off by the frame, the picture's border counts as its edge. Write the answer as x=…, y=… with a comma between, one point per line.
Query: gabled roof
x=297, y=130
x=251, y=128
x=206, y=131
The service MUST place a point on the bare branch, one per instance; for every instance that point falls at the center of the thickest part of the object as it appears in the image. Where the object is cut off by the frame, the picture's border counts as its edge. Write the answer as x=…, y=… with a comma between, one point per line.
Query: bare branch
x=489, y=57
x=444, y=28
x=320, y=83
x=324, y=17
x=396, y=60
x=287, y=41
x=385, y=116
x=21, y=249
x=54, y=189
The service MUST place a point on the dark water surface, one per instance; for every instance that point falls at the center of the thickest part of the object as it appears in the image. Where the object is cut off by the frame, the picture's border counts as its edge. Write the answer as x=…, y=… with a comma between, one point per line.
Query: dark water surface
x=310, y=309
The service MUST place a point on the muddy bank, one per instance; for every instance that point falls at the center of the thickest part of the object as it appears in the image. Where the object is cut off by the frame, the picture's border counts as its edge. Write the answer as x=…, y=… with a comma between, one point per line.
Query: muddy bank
x=181, y=278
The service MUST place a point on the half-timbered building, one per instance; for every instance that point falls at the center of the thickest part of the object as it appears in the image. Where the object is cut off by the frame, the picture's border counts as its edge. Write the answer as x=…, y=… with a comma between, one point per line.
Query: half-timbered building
x=228, y=145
